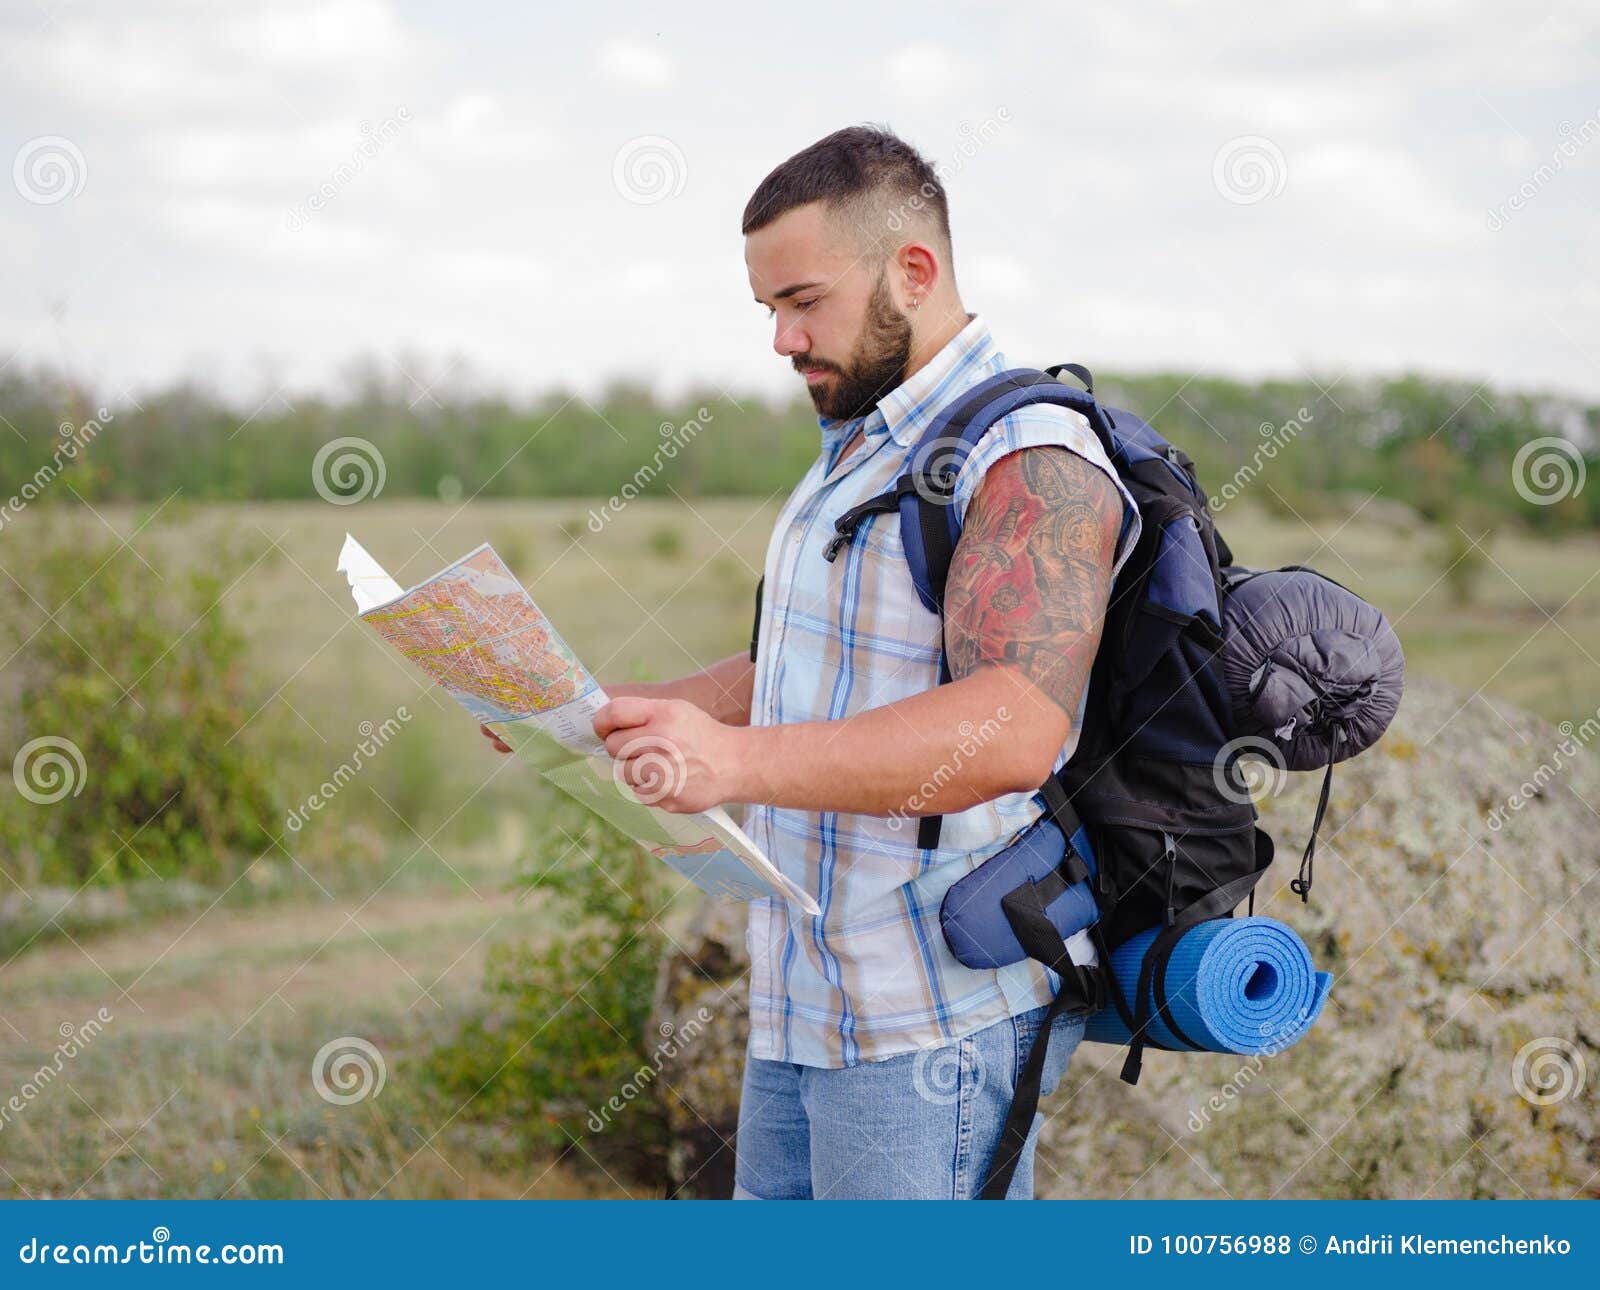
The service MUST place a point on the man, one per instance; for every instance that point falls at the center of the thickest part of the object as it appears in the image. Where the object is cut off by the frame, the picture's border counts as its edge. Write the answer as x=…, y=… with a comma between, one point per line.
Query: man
x=878, y=1066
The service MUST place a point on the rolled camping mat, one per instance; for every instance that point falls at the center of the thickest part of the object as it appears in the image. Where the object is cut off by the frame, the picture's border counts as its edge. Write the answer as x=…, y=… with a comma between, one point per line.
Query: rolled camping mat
x=1234, y=985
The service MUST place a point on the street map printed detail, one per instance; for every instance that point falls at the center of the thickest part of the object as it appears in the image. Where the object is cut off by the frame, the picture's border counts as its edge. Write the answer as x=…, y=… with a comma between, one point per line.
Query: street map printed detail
x=475, y=630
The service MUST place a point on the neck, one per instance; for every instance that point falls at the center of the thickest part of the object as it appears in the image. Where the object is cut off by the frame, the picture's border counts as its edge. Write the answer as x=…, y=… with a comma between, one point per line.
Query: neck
x=941, y=324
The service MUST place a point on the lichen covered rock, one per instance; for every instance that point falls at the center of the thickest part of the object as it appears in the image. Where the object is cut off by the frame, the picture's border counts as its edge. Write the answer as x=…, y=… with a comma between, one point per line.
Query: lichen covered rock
x=1460, y=1047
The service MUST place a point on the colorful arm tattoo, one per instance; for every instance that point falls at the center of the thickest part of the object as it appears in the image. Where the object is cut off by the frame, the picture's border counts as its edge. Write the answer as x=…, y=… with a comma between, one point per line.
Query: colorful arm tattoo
x=1031, y=573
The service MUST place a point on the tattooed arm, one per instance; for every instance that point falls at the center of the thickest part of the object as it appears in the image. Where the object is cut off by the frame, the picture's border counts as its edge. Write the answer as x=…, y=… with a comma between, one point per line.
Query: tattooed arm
x=1030, y=580
x=1024, y=603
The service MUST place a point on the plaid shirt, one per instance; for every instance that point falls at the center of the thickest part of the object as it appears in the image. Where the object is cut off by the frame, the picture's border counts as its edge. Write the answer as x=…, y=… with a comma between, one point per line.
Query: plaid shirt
x=872, y=977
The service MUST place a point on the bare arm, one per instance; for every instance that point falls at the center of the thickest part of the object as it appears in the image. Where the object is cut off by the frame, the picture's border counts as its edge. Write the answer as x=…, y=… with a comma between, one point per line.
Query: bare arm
x=1023, y=611
x=723, y=690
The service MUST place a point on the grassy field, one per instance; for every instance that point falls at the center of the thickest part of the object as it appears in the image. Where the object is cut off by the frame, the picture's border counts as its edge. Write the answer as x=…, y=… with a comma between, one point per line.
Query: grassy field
x=375, y=919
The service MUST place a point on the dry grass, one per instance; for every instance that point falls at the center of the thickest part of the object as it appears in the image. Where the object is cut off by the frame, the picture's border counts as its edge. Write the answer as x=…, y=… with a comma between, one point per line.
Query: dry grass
x=201, y=1083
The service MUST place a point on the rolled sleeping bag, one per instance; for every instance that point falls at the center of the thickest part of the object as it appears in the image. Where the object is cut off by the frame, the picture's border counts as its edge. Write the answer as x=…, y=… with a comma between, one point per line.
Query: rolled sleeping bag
x=1311, y=667
x=1234, y=985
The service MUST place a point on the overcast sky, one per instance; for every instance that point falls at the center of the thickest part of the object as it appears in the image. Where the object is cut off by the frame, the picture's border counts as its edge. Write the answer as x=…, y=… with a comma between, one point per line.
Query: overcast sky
x=517, y=195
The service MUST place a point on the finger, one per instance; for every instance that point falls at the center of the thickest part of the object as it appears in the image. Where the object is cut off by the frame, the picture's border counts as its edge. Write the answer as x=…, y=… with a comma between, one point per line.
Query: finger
x=500, y=744
x=642, y=772
x=622, y=714
x=629, y=743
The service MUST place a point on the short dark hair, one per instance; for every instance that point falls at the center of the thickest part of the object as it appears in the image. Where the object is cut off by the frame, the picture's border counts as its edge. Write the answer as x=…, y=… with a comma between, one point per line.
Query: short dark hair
x=864, y=170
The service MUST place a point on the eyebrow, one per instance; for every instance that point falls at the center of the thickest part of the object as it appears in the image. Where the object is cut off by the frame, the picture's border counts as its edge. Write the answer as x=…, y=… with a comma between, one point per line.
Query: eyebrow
x=791, y=290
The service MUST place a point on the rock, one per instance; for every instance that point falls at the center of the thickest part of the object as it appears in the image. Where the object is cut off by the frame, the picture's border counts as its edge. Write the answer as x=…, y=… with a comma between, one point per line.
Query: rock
x=702, y=995
x=1460, y=1048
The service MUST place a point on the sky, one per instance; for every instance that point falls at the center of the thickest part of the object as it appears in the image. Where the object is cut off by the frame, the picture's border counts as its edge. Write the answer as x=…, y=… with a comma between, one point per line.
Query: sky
x=275, y=195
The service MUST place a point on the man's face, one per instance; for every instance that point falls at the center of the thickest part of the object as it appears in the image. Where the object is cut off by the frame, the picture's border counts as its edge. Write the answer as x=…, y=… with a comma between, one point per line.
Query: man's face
x=834, y=315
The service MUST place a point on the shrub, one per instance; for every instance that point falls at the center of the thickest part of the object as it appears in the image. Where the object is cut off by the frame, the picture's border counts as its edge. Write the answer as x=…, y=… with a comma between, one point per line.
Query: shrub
x=128, y=688
x=566, y=1029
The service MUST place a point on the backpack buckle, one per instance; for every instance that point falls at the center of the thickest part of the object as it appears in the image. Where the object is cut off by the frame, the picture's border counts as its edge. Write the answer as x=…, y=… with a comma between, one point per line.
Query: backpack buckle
x=844, y=529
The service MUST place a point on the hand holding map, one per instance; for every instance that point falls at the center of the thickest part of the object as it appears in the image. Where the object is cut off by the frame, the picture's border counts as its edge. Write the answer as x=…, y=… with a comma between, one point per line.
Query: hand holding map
x=474, y=629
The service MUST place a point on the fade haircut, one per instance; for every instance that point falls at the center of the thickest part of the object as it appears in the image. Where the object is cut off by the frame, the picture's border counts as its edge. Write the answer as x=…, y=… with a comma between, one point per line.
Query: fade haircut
x=876, y=182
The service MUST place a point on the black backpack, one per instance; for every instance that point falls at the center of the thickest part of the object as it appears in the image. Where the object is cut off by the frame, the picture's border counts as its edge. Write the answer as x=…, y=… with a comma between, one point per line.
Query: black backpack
x=1152, y=814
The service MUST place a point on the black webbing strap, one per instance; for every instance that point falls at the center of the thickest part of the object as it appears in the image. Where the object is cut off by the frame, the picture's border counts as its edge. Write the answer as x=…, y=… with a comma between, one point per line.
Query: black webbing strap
x=1102, y=945
x=1082, y=990
x=1077, y=369
x=755, y=627
x=844, y=528
x=1139, y=1040
x=1216, y=903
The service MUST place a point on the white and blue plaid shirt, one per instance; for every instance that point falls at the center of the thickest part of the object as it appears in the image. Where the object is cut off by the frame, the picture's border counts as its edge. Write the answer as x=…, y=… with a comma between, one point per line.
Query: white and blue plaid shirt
x=872, y=977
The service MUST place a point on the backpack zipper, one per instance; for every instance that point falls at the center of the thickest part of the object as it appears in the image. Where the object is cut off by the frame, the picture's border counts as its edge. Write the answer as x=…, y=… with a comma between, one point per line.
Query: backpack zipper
x=1170, y=855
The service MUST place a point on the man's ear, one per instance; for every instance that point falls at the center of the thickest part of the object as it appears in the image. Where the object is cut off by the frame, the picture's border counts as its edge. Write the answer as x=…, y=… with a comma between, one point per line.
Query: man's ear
x=919, y=271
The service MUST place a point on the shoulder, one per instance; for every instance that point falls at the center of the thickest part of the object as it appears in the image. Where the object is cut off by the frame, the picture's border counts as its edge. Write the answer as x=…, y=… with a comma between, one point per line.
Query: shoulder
x=1042, y=425
x=1039, y=425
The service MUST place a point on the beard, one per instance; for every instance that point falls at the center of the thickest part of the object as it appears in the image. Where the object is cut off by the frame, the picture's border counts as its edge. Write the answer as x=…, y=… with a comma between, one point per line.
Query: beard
x=877, y=365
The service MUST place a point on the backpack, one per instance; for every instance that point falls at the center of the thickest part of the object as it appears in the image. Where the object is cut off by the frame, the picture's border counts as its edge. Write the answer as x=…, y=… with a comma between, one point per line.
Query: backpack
x=1150, y=823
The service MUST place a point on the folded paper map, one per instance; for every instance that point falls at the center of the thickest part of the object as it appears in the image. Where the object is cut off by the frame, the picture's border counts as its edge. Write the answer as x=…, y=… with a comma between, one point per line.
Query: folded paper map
x=474, y=629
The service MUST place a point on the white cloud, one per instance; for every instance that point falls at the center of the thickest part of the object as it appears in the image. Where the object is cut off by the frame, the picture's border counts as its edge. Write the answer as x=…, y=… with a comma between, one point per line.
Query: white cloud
x=1087, y=225
x=925, y=71
x=636, y=65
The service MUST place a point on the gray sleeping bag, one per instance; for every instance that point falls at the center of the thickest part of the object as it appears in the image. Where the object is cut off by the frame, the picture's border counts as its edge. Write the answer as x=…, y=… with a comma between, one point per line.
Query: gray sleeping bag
x=1312, y=669
x=1310, y=666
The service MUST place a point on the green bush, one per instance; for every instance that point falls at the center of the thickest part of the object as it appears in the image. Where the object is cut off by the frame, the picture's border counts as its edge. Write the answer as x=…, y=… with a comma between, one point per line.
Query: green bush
x=126, y=717
x=566, y=1027
x=666, y=542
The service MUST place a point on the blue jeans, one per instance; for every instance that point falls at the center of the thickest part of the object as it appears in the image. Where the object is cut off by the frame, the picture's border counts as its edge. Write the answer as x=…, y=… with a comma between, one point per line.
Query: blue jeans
x=921, y=1126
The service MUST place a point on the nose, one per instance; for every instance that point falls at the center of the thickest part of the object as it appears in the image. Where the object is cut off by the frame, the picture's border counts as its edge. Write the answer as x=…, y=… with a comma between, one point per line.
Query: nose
x=789, y=340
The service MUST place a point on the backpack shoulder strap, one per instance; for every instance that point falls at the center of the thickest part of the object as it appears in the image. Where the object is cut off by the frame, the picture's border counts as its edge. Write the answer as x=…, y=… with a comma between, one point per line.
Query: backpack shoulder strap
x=929, y=521
x=923, y=496
x=930, y=526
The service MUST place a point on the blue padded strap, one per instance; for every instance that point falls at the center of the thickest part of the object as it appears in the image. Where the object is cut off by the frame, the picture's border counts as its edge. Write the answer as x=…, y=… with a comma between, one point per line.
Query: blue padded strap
x=944, y=449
